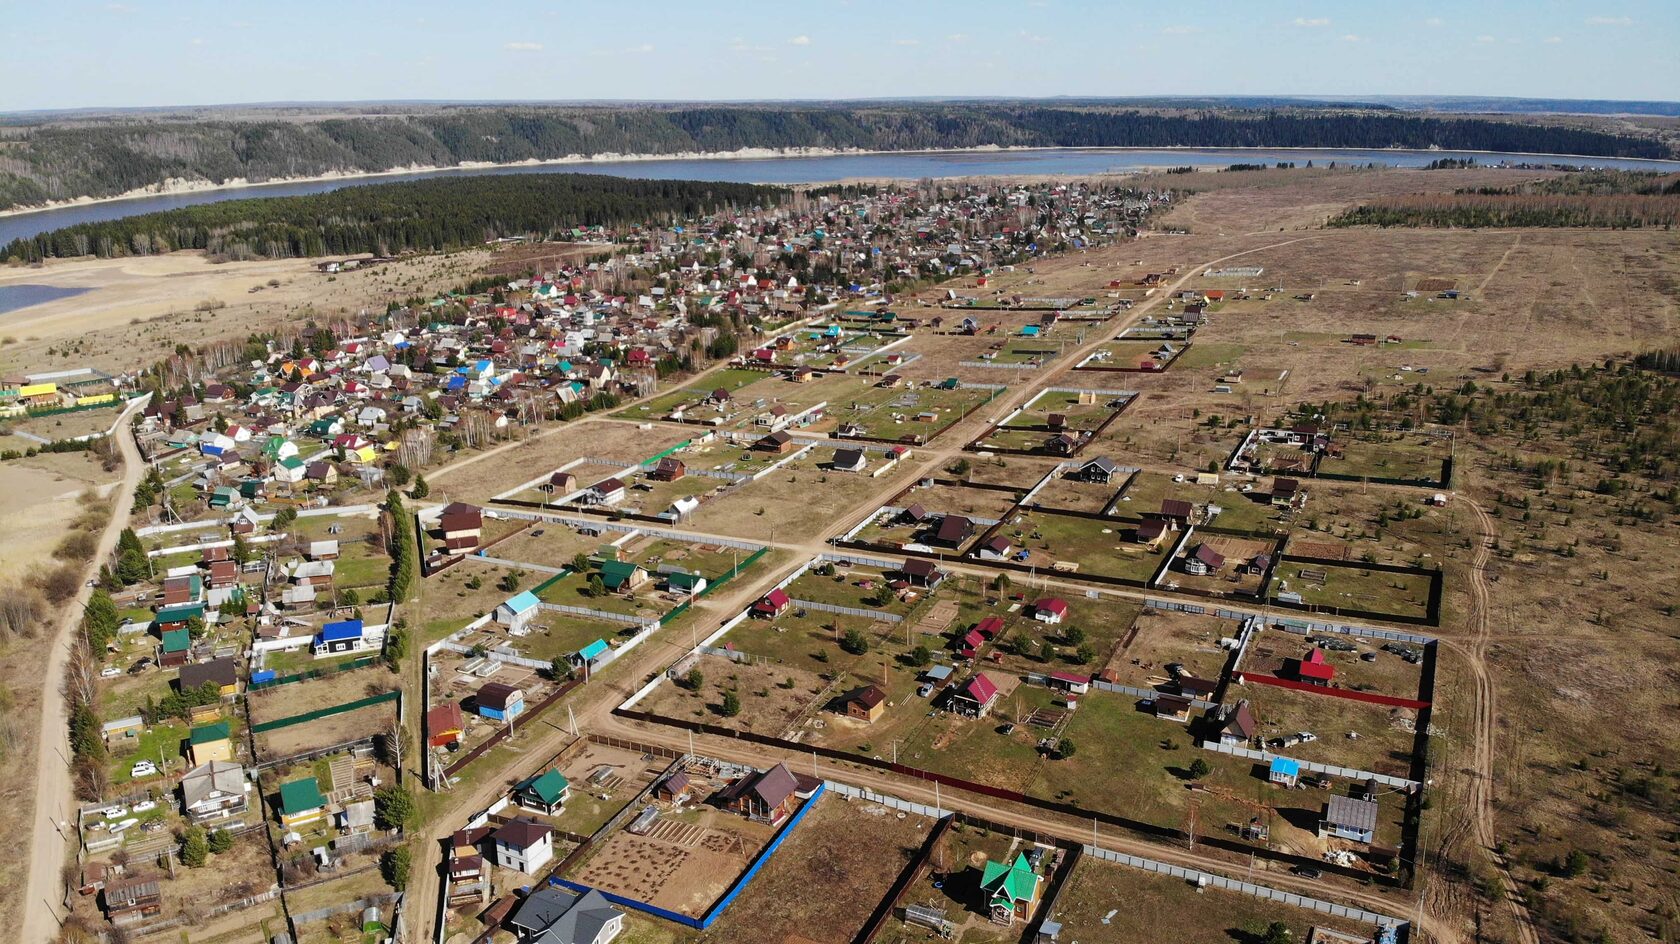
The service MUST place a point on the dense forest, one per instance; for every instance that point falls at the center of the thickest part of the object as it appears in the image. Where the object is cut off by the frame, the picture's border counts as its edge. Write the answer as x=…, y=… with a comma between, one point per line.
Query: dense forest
x=390, y=218
x=46, y=162
x=1493, y=211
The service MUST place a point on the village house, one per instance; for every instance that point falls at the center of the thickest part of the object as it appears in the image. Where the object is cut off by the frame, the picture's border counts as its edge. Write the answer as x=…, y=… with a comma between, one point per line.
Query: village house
x=1313, y=669
x=555, y=915
x=214, y=790
x=444, y=725
x=1050, y=610
x=952, y=531
x=499, y=702
x=301, y=803
x=517, y=611
x=523, y=845
x=1351, y=818
x=133, y=901
x=544, y=793
x=866, y=704
x=976, y=698
x=849, y=460
x=1237, y=726
x=207, y=743
x=767, y=796
x=1010, y=890
x=460, y=526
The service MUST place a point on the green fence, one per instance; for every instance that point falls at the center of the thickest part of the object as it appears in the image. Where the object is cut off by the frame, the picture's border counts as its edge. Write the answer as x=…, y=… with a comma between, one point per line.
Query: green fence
x=321, y=672
x=328, y=712
x=722, y=579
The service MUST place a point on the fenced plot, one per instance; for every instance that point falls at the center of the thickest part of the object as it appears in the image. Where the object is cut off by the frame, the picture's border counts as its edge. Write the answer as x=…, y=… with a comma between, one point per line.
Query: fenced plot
x=1161, y=639
x=686, y=879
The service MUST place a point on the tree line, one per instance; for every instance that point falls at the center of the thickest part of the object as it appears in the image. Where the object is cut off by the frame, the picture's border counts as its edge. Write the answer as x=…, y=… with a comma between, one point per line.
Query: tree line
x=58, y=162
x=385, y=219
x=1496, y=210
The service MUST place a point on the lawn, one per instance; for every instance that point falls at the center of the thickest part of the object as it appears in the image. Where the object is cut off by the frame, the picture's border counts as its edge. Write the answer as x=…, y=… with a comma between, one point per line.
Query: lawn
x=730, y=379
x=1412, y=458
x=1093, y=546
x=1107, y=903
x=1203, y=354
x=1351, y=587
x=160, y=744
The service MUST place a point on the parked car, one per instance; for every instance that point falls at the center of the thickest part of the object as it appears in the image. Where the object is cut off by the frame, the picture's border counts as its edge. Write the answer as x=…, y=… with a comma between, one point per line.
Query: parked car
x=110, y=671
x=1307, y=871
x=144, y=768
x=1306, y=737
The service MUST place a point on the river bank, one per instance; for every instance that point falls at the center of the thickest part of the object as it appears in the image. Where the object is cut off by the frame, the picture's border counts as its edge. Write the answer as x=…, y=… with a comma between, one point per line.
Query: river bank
x=1212, y=158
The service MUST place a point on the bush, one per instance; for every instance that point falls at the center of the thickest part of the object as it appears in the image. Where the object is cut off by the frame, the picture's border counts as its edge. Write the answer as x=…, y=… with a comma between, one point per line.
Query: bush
x=1199, y=768
x=1065, y=748
x=395, y=866
x=695, y=679
x=221, y=841
x=195, y=847
x=393, y=807
x=854, y=642
x=731, y=705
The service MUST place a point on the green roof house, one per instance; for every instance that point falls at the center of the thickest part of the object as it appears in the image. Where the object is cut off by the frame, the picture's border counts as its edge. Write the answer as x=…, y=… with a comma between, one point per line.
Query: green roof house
x=1011, y=890
x=223, y=496
x=173, y=650
x=301, y=802
x=622, y=575
x=544, y=793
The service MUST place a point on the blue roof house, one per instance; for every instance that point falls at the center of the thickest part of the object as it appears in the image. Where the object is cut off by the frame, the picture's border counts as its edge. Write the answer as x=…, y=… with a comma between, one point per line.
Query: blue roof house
x=516, y=612
x=1284, y=771
x=342, y=636
x=591, y=654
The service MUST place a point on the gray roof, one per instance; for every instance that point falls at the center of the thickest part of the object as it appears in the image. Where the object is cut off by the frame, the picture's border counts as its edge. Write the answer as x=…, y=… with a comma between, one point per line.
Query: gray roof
x=558, y=916
x=1351, y=813
x=217, y=776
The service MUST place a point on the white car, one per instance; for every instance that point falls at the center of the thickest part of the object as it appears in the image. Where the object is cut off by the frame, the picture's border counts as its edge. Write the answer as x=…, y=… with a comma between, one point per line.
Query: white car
x=110, y=671
x=1307, y=737
x=143, y=769
x=143, y=806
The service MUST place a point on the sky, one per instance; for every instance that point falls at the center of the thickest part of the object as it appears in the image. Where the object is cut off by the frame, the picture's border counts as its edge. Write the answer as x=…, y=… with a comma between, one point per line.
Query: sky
x=78, y=54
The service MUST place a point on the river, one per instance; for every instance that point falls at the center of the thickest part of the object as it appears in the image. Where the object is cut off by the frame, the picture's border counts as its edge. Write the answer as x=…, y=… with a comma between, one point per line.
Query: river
x=903, y=165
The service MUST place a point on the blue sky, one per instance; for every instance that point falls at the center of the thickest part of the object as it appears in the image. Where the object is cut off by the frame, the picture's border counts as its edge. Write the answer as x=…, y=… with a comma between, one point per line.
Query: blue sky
x=73, y=53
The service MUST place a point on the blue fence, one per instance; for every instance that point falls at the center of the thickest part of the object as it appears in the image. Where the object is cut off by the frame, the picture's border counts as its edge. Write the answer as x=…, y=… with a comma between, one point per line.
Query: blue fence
x=717, y=909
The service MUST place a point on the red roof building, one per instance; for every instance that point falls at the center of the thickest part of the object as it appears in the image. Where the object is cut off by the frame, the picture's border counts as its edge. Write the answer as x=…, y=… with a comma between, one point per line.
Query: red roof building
x=1314, y=669
x=772, y=605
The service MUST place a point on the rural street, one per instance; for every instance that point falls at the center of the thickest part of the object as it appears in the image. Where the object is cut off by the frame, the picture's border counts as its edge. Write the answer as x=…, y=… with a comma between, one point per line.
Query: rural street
x=593, y=706
x=48, y=843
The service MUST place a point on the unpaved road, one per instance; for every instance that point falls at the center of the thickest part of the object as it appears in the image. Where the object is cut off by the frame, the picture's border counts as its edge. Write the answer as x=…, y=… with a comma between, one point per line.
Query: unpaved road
x=49, y=842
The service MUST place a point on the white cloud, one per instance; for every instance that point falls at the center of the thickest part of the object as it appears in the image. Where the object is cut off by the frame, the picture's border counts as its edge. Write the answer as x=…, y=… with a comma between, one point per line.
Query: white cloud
x=1314, y=21
x=907, y=42
x=957, y=38
x=1350, y=37
x=645, y=47
x=740, y=45
x=118, y=8
x=1609, y=21
x=1180, y=30
x=1484, y=40
x=1434, y=21
x=196, y=41
x=800, y=40
x=523, y=47
x=1552, y=40
x=1034, y=37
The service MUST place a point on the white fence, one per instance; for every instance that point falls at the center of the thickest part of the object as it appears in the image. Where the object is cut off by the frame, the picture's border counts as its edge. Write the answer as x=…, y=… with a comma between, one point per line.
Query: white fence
x=1348, y=773
x=848, y=611
x=890, y=802
x=603, y=615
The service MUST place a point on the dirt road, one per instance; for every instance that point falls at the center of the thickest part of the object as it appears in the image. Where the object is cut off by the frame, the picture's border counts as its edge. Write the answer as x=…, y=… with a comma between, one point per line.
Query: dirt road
x=593, y=708
x=49, y=841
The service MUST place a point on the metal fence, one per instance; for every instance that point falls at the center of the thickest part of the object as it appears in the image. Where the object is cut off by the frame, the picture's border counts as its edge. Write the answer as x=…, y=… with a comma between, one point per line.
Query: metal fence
x=603, y=615
x=890, y=802
x=1103, y=686
x=1349, y=773
x=1209, y=879
x=848, y=611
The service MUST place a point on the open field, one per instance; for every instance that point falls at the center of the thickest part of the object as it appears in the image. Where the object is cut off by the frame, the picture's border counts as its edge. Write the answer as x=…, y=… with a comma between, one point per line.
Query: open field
x=826, y=877
x=1084, y=546
x=1161, y=638
x=1329, y=588
x=1106, y=903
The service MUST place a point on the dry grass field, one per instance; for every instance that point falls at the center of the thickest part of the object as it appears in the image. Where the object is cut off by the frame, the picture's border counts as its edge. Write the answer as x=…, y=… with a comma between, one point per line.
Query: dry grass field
x=135, y=310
